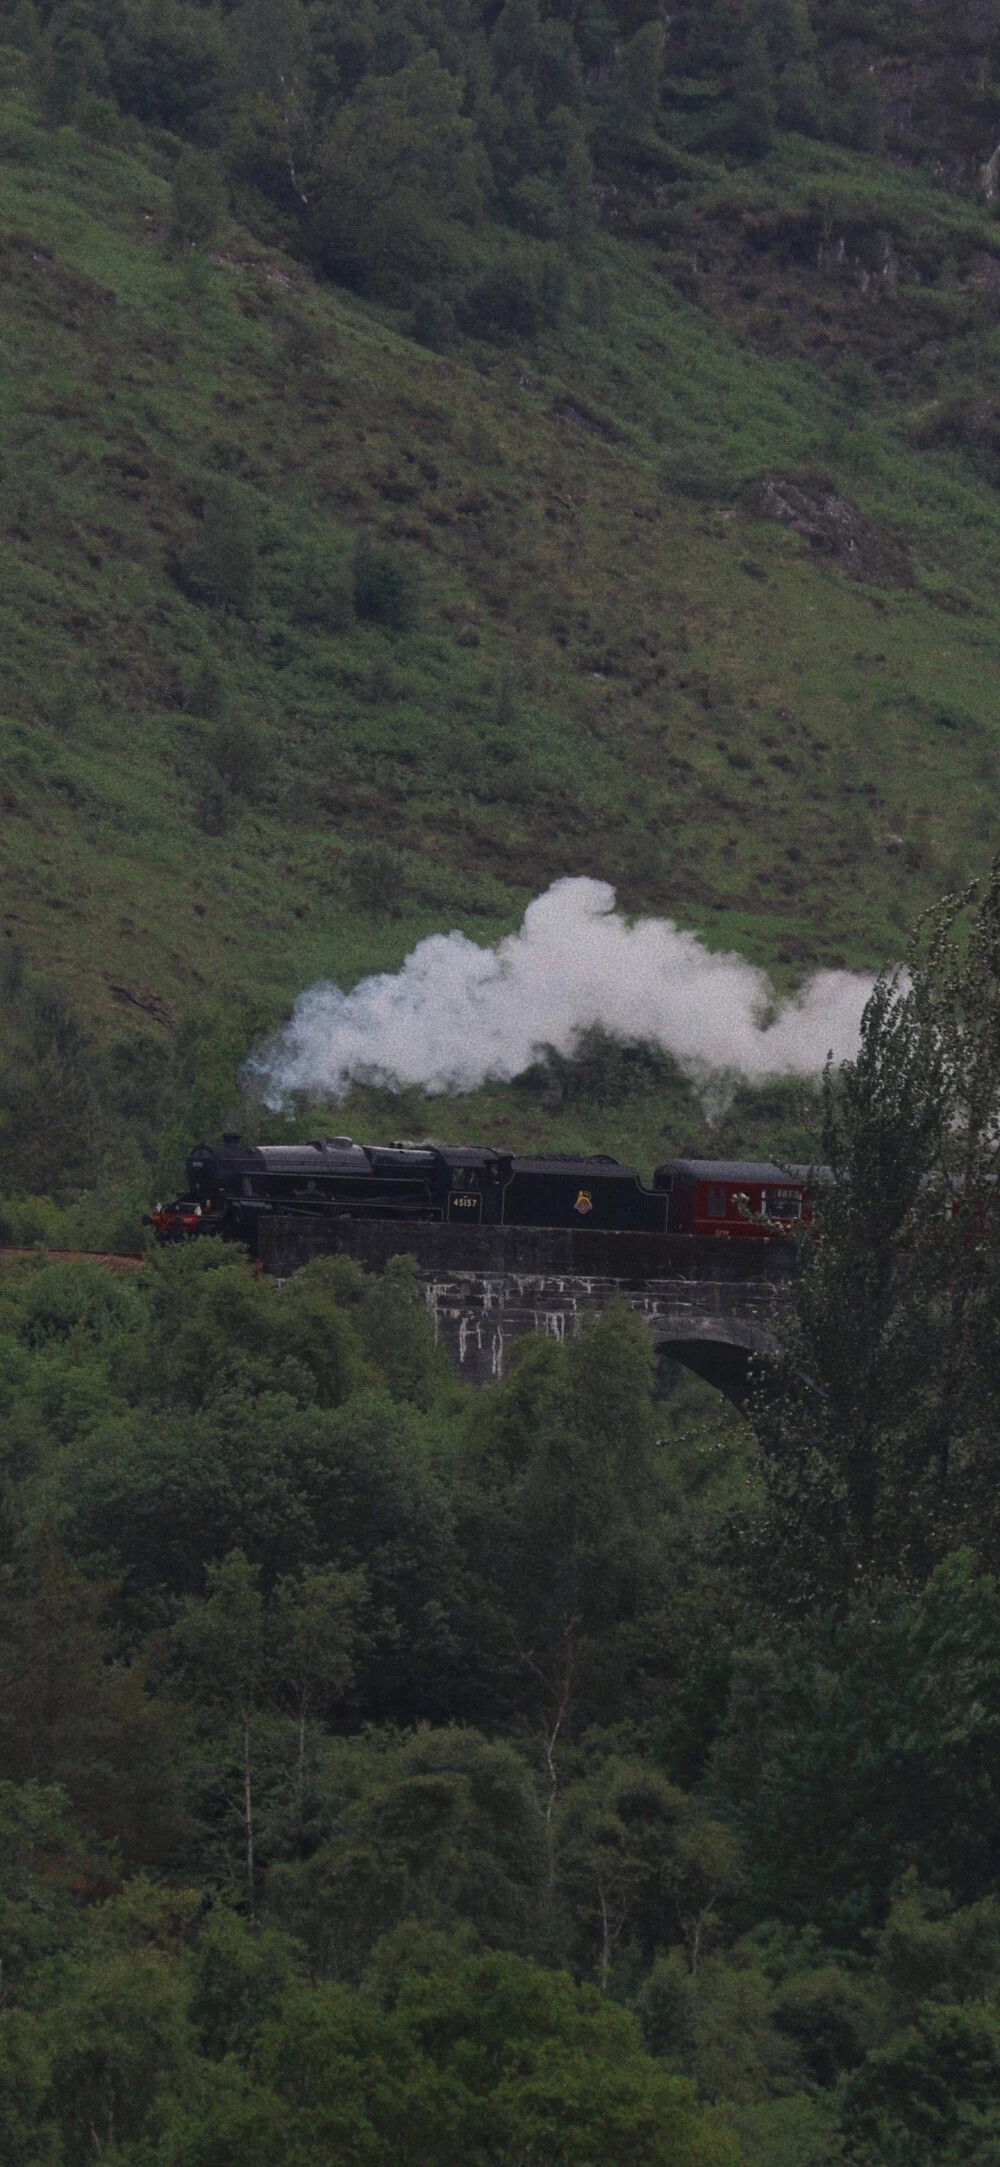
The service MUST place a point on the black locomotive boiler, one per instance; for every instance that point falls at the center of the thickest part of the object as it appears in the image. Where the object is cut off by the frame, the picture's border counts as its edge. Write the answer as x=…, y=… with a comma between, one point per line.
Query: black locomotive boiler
x=231, y=1186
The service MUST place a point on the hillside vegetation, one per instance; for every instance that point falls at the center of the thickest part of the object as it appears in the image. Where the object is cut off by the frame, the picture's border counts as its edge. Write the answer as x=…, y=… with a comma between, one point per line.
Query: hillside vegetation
x=400, y=1776
x=443, y=453
x=446, y=448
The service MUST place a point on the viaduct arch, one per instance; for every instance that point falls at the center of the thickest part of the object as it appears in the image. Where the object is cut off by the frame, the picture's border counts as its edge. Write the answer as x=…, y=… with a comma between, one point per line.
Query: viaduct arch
x=710, y=1305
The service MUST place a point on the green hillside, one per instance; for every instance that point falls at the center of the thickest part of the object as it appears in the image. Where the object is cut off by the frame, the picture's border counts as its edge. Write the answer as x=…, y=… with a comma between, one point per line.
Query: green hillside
x=448, y=446
x=344, y=602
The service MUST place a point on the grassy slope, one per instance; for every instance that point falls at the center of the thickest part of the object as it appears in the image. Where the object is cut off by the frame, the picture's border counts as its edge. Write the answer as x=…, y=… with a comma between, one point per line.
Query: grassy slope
x=606, y=676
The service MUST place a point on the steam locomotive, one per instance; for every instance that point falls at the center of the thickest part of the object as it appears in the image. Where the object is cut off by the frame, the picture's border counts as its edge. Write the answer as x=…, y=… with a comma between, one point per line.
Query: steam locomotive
x=232, y=1185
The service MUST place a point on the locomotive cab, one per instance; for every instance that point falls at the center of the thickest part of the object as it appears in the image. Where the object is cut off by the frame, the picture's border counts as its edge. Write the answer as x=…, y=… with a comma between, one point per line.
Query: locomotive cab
x=473, y=1183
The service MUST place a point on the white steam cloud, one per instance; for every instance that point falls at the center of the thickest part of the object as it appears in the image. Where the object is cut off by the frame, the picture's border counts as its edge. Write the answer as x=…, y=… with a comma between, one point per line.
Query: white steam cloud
x=457, y=1015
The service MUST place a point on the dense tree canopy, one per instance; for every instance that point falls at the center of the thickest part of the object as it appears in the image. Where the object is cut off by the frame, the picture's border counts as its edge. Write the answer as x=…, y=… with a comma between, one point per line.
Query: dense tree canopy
x=415, y=1775
x=377, y=135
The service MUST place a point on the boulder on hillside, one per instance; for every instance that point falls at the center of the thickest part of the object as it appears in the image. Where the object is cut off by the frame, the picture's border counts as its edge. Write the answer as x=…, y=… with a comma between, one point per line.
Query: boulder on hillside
x=832, y=527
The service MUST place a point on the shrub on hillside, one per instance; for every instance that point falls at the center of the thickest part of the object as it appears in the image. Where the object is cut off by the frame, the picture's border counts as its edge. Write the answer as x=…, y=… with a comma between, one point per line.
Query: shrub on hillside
x=433, y=320
x=316, y=586
x=376, y=878
x=515, y=298
x=222, y=568
x=206, y=690
x=239, y=755
x=382, y=586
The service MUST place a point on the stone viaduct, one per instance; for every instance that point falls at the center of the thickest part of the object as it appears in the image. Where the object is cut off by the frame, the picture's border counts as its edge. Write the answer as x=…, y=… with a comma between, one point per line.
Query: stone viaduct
x=710, y=1305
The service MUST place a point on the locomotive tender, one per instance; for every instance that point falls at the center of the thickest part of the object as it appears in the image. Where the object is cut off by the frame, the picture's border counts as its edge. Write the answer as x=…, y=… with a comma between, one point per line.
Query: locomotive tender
x=232, y=1185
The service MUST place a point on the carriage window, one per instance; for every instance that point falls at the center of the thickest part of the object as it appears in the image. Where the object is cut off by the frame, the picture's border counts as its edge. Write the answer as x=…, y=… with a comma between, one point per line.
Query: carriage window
x=717, y=1203
x=781, y=1204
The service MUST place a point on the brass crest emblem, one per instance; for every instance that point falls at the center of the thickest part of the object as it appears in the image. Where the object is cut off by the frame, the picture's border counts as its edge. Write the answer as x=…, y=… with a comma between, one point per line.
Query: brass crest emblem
x=584, y=1203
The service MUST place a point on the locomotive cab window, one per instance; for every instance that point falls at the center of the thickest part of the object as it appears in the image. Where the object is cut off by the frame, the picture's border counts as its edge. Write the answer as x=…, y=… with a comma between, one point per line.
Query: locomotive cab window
x=717, y=1203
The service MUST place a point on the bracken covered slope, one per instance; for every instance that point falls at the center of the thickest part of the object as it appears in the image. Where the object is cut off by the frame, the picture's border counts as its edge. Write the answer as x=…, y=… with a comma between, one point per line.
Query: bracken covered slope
x=319, y=635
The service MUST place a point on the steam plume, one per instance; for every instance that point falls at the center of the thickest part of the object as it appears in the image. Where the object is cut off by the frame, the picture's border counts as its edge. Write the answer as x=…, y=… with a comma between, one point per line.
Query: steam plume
x=457, y=1015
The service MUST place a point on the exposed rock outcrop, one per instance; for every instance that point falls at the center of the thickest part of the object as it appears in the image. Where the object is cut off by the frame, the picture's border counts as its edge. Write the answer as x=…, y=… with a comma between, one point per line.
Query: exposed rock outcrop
x=832, y=528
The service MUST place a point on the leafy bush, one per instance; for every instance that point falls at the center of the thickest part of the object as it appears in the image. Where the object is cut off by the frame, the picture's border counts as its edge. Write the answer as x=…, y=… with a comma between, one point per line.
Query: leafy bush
x=238, y=753
x=166, y=63
x=751, y=128
x=433, y=320
x=206, y=692
x=318, y=586
x=383, y=587
x=223, y=566
x=515, y=298
x=376, y=878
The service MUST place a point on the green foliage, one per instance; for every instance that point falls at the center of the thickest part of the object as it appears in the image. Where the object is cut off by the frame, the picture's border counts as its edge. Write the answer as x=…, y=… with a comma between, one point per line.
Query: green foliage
x=238, y=755
x=756, y=100
x=801, y=103
x=638, y=1861
x=27, y=2130
x=928, y=1951
x=398, y=172
x=488, y=2059
x=831, y=2016
x=518, y=297
x=562, y=1458
x=319, y=587
x=223, y=567
x=885, y=1410
x=165, y=62
x=68, y=65
x=240, y=1654
x=631, y=93
x=44, y=1859
x=239, y=1980
x=849, y=1748
x=696, y=470
x=76, y=1718
x=383, y=586
x=347, y=430
x=270, y=139
x=718, y=2024
x=119, y=2044
x=197, y=200
x=396, y=1330
x=930, y=2095
x=302, y=1567
x=441, y=1829
x=859, y=121
x=52, y=1124
x=221, y=1636
x=376, y=877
